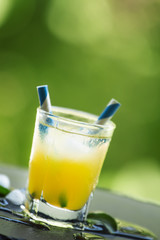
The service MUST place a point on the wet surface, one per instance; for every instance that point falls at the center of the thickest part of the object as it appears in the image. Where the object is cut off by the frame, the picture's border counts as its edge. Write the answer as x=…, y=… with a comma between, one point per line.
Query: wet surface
x=14, y=224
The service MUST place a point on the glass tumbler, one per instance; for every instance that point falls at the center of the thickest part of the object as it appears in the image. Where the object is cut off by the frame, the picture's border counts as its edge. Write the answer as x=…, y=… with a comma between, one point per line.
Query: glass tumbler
x=67, y=155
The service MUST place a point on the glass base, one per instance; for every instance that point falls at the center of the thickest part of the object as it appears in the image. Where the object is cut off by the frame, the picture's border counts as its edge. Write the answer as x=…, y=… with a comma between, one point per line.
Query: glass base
x=42, y=211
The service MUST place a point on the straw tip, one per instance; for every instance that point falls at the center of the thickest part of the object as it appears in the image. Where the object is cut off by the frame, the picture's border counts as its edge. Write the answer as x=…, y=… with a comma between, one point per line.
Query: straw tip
x=43, y=95
x=114, y=101
x=42, y=86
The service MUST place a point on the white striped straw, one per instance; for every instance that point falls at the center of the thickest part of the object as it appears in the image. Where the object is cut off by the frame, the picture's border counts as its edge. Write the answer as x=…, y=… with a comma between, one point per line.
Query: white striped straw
x=108, y=112
x=45, y=105
x=44, y=98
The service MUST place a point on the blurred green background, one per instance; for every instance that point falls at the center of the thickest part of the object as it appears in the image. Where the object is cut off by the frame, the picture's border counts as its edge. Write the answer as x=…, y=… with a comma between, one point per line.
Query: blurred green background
x=87, y=51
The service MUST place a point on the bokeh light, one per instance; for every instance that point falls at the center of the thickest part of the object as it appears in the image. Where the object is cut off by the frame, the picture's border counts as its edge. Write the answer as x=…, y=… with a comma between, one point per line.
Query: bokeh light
x=126, y=182
x=80, y=22
x=5, y=8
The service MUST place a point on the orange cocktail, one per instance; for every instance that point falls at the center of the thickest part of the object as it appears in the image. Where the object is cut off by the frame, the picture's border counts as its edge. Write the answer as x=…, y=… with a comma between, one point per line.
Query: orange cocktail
x=67, y=155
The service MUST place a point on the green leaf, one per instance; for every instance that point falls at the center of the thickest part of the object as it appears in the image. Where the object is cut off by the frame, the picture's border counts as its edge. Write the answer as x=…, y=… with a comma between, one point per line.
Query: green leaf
x=63, y=200
x=3, y=191
x=106, y=219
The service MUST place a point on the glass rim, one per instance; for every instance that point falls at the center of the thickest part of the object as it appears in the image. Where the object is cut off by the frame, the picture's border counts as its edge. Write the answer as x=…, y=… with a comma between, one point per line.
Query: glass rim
x=107, y=127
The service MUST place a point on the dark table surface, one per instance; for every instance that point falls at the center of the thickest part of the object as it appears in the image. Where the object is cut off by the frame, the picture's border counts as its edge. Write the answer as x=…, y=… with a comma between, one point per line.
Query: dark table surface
x=125, y=208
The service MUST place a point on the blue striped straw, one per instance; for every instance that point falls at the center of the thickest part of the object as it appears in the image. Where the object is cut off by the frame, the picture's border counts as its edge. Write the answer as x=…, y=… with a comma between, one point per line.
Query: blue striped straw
x=45, y=104
x=44, y=98
x=108, y=112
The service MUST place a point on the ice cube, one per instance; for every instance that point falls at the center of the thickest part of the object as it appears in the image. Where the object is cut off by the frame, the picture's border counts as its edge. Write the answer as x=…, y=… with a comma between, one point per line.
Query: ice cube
x=16, y=197
x=71, y=147
x=4, y=181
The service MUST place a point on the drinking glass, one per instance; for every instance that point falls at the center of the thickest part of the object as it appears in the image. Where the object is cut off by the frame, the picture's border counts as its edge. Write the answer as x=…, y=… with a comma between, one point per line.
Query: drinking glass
x=67, y=155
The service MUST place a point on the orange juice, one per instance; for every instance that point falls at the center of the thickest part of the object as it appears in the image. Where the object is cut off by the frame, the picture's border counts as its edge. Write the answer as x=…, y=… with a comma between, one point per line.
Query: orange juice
x=64, y=181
